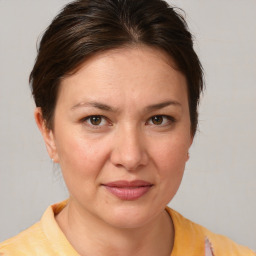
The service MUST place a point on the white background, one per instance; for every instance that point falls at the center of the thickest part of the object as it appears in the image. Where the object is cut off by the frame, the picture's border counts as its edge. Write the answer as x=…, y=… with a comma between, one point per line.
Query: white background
x=219, y=186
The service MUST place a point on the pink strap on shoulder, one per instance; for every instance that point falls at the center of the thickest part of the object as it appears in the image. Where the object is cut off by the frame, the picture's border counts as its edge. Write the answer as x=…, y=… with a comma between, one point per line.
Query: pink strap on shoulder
x=208, y=248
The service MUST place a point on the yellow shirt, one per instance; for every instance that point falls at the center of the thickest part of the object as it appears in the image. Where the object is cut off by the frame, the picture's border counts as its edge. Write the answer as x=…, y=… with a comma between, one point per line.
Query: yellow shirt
x=46, y=238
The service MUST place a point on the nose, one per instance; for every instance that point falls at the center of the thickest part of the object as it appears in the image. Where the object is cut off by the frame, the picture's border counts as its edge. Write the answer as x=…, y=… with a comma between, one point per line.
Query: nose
x=129, y=151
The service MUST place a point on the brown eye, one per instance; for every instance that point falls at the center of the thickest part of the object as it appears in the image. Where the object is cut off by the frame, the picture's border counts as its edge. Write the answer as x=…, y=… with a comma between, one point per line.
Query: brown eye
x=157, y=120
x=95, y=120
x=161, y=120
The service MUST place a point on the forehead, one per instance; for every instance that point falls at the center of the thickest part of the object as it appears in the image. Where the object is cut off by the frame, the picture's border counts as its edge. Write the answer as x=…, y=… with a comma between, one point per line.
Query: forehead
x=129, y=72
x=134, y=50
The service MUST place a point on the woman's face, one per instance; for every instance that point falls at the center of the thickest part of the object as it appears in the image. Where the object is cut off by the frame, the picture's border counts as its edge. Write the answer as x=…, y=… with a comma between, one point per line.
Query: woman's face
x=122, y=134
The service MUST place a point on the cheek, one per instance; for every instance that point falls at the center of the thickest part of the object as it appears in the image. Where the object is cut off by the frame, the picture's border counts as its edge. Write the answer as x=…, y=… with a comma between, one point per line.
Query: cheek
x=171, y=156
x=169, y=159
x=81, y=162
x=80, y=157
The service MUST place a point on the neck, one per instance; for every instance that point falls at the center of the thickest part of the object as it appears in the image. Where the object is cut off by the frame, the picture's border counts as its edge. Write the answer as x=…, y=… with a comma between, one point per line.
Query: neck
x=91, y=236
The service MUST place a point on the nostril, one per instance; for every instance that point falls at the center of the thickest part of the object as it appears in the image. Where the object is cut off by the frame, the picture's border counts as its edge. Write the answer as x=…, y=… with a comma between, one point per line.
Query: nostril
x=130, y=161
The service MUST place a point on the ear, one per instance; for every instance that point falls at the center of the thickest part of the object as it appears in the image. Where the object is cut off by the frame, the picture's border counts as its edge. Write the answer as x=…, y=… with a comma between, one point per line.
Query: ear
x=47, y=134
x=191, y=141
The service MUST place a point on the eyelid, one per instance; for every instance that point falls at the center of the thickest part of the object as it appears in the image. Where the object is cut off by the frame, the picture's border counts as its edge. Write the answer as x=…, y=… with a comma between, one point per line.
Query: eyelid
x=170, y=121
x=104, y=118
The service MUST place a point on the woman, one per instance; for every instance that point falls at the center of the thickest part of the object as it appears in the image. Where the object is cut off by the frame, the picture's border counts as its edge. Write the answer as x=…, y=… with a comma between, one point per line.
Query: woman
x=117, y=85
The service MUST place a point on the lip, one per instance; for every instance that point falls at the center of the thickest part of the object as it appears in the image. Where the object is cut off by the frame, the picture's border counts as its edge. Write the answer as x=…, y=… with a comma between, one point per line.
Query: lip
x=128, y=190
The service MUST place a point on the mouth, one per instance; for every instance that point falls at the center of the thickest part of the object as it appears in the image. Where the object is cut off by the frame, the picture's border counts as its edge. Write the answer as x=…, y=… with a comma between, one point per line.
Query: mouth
x=128, y=190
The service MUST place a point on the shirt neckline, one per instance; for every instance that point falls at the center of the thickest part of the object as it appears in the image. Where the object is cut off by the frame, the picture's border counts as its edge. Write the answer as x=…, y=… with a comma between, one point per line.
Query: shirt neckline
x=187, y=240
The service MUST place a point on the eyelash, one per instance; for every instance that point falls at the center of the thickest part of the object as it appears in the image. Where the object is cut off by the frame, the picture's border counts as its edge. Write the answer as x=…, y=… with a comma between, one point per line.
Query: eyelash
x=170, y=120
x=88, y=120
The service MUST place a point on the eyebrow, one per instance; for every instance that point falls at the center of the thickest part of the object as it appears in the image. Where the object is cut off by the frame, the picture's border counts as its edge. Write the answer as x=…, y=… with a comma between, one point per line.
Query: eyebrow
x=162, y=105
x=95, y=104
x=106, y=107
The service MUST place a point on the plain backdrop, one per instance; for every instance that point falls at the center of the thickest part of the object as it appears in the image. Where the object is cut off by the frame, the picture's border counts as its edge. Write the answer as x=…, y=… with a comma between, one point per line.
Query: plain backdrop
x=219, y=186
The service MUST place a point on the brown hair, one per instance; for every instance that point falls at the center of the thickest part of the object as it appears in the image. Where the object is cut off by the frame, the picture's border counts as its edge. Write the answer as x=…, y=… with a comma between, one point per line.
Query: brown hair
x=86, y=27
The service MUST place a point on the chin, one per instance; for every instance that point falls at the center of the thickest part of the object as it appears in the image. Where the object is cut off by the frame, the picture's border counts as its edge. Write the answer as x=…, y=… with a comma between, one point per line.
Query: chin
x=129, y=217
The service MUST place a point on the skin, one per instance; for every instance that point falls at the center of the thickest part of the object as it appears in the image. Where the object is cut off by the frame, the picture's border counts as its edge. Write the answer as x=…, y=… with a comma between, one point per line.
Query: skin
x=127, y=87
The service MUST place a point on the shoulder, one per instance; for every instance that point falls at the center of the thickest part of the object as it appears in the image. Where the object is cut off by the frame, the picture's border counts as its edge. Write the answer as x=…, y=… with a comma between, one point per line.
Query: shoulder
x=224, y=246
x=198, y=235
x=43, y=238
x=21, y=243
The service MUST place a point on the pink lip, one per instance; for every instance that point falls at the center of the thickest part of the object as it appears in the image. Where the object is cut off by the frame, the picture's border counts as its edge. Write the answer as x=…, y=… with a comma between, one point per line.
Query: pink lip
x=128, y=190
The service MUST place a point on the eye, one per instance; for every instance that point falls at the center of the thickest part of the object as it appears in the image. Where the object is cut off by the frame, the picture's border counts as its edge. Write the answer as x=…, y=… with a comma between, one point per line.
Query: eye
x=95, y=120
x=157, y=120
x=160, y=120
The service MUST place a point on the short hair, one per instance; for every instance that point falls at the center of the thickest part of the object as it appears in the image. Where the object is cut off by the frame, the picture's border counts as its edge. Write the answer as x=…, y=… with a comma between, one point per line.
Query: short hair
x=86, y=27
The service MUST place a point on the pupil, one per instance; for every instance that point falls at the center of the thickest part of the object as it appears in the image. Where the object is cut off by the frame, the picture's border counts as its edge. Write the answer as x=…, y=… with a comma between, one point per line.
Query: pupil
x=157, y=120
x=95, y=120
